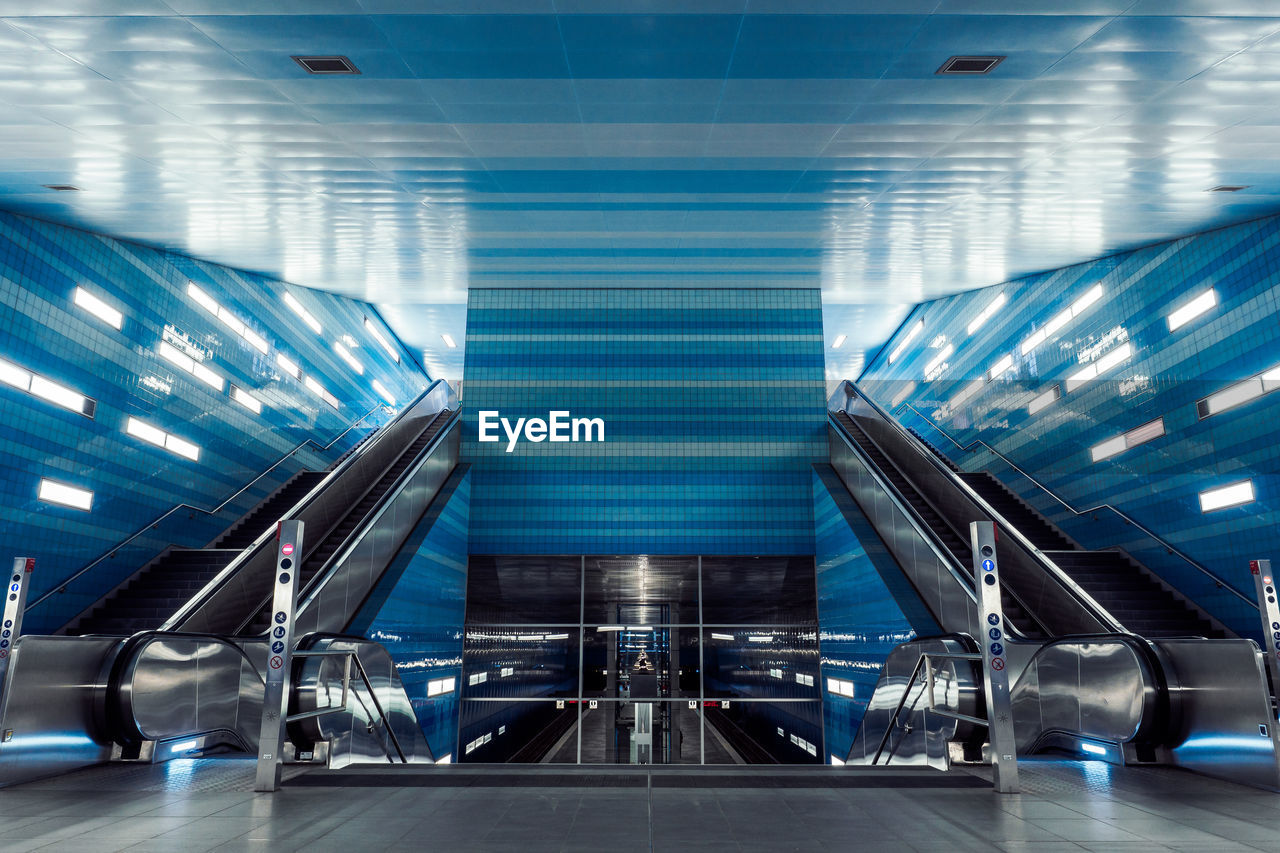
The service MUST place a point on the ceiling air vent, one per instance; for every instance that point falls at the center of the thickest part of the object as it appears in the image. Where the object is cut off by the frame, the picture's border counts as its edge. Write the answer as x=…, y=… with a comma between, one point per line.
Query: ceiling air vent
x=969, y=64
x=62, y=188
x=327, y=64
x=1228, y=188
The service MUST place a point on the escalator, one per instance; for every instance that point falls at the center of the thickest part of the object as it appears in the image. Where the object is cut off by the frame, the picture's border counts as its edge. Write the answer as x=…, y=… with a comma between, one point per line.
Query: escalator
x=160, y=661
x=1121, y=665
x=338, y=504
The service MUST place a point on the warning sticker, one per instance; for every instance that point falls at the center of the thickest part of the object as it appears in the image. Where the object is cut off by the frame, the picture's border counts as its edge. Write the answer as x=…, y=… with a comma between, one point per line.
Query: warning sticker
x=997, y=664
x=277, y=662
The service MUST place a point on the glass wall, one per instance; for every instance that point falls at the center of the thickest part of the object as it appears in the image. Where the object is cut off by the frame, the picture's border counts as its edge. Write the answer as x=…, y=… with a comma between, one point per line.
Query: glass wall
x=641, y=660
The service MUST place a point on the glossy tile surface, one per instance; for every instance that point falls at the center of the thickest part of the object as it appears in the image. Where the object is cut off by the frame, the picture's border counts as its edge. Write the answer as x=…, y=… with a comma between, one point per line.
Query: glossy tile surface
x=708, y=143
x=1063, y=807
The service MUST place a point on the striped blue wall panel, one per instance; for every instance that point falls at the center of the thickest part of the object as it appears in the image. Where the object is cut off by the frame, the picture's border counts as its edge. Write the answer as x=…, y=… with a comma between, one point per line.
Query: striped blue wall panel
x=712, y=401
x=1147, y=370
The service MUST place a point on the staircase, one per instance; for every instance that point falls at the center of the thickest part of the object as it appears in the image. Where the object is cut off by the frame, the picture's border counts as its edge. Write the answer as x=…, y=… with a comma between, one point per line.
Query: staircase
x=1124, y=588
x=155, y=593
x=264, y=516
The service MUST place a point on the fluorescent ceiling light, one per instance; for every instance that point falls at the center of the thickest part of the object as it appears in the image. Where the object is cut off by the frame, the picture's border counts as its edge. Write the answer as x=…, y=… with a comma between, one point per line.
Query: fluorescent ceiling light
x=985, y=314
x=1192, y=309
x=604, y=628
x=640, y=628
x=1107, y=449
x=207, y=376
x=1001, y=367
x=60, y=493
x=1234, y=494
x=556, y=637
x=247, y=400
x=839, y=342
x=350, y=359
x=288, y=366
x=176, y=356
x=307, y=316
x=1093, y=295
x=381, y=391
x=760, y=638
x=934, y=367
x=1042, y=400
x=232, y=321
x=183, y=448
x=383, y=342
x=902, y=345
x=98, y=308
x=1146, y=432
x=449, y=341
x=256, y=341
x=1113, y=358
x=716, y=636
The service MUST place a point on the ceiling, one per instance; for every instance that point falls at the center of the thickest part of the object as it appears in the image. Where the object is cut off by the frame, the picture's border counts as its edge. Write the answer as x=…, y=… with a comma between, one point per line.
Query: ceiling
x=723, y=142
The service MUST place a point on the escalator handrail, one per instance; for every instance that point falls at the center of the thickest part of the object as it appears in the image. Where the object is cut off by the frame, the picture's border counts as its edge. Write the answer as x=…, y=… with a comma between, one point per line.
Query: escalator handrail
x=944, y=555
x=1124, y=516
x=185, y=507
x=1062, y=578
x=219, y=580
x=326, y=572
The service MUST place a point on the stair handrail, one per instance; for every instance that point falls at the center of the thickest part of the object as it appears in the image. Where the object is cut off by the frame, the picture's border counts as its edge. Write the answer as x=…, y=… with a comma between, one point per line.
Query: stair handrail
x=1218, y=580
x=181, y=507
x=175, y=621
x=1055, y=571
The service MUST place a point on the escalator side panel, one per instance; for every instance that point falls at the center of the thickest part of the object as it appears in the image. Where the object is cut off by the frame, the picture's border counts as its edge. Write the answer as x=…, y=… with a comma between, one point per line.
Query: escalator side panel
x=49, y=702
x=333, y=604
x=948, y=597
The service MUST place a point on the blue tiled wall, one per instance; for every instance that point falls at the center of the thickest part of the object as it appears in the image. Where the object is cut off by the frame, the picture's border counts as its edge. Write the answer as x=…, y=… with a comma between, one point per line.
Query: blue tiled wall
x=42, y=330
x=417, y=611
x=712, y=401
x=1157, y=483
x=859, y=611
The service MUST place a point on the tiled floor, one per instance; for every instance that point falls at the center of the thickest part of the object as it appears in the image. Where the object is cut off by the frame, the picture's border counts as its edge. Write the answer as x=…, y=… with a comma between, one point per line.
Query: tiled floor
x=194, y=806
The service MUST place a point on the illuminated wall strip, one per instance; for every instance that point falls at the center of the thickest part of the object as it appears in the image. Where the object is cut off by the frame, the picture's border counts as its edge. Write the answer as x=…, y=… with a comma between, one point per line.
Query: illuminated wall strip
x=1193, y=309
x=51, y=491
x=382, y=341
x=839, y=342
x=381, y=391
x=288, y=366
x=1092, y=371
x=98, y=308
x=1001, y=367
x=902, y=345
x=441, y=686
x=351, y=360
x=307, y=317
x=319, y=390
x=449, y=341
x=178, y=358
x=1061, y=319
x=231, y=321
x=840, y=687
x=969, y=389
x=986, y=313
x=154, y=435
x=935, y=367
x=246, y=399
x=1235, y=494
x=1134, y=437
x=1040, y=401
x=46, y=389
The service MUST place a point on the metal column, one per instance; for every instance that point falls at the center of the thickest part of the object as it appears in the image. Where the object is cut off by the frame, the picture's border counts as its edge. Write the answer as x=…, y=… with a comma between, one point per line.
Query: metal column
x=1264, y=584
x=275, y=703
x=995, y=681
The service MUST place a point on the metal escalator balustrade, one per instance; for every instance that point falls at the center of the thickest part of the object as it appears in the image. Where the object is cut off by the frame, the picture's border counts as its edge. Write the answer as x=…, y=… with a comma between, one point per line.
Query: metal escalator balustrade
x=233, y=597
x=1128, y=590
x=318, y=559
x=241, y=535
x=955, y=545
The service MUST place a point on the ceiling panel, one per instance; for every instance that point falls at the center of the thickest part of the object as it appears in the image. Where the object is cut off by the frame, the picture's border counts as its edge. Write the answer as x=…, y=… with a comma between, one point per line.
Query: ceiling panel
x=712, y=143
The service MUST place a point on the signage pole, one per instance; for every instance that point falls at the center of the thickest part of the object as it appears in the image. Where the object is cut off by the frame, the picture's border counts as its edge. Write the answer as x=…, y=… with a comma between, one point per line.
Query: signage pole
x=15, y=601
x=275, y=702
x=995, y=680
